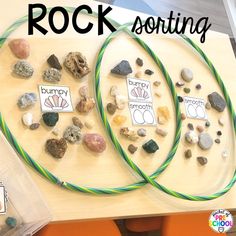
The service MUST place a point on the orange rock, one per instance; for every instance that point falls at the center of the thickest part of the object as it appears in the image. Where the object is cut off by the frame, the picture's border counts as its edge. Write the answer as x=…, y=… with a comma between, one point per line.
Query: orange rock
x=119, y=119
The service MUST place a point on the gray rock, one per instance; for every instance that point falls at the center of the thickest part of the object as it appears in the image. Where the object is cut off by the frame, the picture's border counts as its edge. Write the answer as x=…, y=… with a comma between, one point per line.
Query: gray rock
x=139, y=61
x=142, y=132
x=187, y=74
x=217, y=101
x=72, y=134
x=23, y=69
x=202, y=160
x=52, y=75
x=123, y=68
x=205, y=141
x=26, y=100
x=54, y=62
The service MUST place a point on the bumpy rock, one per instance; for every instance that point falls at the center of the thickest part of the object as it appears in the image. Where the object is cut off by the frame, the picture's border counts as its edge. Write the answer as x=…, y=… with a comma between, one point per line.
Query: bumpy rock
x=191, y=137
x=77, y=64
x=83, y=91
x=129, y=133
x=95, y=142
x=50, y=118
x=72, y=134
x=132, y=149
x=123, y=68
x=27, y=100
x=20, y=48
x=57, y=148
x=52, y=75
x=111, y=108
x=11, y=222
x=205, y=141
x=120, y=101
x=217, y=101
x=202, y=160
x=150, y=146
x=85, y=105
x=27, y=119
x=187, y=74
x=139, y=61
x=54, y=62
x=77, y=122
x=119, y=119
x=142, y=132
x=34, y=126
x=23, y=69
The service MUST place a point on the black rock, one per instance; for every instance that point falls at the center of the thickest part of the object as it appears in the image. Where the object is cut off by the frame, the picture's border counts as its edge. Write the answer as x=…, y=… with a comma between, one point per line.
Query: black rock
x=139, y=61
x=190, y=126
x=50, y=118
x=217, y=140
x=180, y=99
x=123, y=68
x=198, y=86
x=219, y=133
x=54, y=62
x=150, y=146
x=217, y=102
x=148, y=72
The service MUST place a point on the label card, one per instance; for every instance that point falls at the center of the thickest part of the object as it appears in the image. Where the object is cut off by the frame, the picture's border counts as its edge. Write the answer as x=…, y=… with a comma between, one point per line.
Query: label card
x=3, y=208
x=142, y=113
x=55, y=99
x=139, y=90
x=195, y=108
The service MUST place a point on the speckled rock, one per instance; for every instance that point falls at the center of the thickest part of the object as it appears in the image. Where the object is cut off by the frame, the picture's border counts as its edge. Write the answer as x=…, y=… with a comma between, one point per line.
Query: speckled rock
x=187, y=74
x=85, y=105
x=123, y=68
x=217, y=101
x=11, y=222
x=150, y=146
x=205, y=141
x=23, y=69
x=27, y=119
x=139, y=61
x=52, y=75
x=132, y=149
x=27, y=100
x=202, y=160
x=77, y=122
x=54, y=62
x=20, y=48
x=111, y=108
x=56, y=147
x=129, y=133
x=50, y=118
x=72, y=134
x=191, y=137
x=142, y=132
x=95, y=142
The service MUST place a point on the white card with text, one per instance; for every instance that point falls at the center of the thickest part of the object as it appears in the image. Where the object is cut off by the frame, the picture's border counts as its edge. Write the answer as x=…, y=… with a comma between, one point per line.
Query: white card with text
x=3, y=208
x=55, y=99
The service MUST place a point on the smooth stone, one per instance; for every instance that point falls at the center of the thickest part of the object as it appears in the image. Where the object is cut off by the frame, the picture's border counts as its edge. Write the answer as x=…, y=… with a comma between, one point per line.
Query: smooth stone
x=139, y=61
x=23, y=69
x=34, y=126
x=198, y=86
x=207, y=124
x=142, y=132
x=138, y=74
x=50, y=118
x=225, y=154
x=191, y=137
x=221, y=121
x=161, y=132
x=202, y=160
x=129, y=133
x=179, y=84
x=111, y=108
x=180, y=99
x=119, y=119
x=150, y=146
x=72, y=134
x=123, y=68
x=56, y=147
x=11, y=222
x=183, y=116
x=27, y=100
x=27, y=119
x=205, y=141
x=157, y=83
x=114, y=91
x=54, y=62
x=55, y=131
x=77, y=122
x=188, y=153
x=20, y=48
x=190, y=126
x=85, y=105
x=217, y=141
x=52, y=75
x=187, y=74
x=95, y=142
x=132, y=149
x=148, y=72
x=208, y=106
x=187, y=90
x=83, y=91
x=89, y=124
x=120, y=101
x=200, y=128
x=217, y=101
x=219, y=133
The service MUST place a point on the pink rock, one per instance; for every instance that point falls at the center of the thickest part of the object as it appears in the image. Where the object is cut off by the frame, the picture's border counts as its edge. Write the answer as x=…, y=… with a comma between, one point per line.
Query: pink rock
x=20, y=48
x=95, y=142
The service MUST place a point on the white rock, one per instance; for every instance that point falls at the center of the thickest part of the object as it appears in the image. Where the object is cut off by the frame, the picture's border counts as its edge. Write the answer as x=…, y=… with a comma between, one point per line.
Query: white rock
x=89, y=124
x=114, y=91
x=191, y=137
x=27, y=119
x=120, y=101
x=55, y=131
x=225, y=154
x=187, y=74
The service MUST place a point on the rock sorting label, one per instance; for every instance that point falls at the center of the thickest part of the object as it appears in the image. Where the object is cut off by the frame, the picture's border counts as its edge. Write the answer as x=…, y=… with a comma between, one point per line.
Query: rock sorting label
x=2, y=199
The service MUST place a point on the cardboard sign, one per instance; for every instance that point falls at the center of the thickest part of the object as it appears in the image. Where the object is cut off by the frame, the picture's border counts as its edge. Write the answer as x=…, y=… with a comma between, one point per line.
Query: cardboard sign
x=55, y=99
x=3, y=208
x=195, y=108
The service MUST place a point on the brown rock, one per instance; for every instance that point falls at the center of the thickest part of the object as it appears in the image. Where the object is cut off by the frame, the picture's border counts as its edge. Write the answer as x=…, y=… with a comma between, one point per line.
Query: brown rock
x=85, y=105
x=56, y=147
x=77, y=122
x=20, y=48
x=95, y=142
x=34, y=126
x=132, y=149
x=202, y=160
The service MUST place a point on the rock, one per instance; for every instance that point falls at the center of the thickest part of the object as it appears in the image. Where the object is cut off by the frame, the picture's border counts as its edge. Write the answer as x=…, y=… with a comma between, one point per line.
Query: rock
x=119, y=119
x=190, y=126
x=163, y=112
x=217, y=141
x=23, y=69
x=89, y=124
x=188, y=153
x=183, y=116
x=180, y=99
x=132, y=149
x=208, y=106
x=179, y=84
x=187, y=74
x=54, y=62
x=161, y=132
x=83, y=91
x=207, y=124
x=219, y=133
x=191, y=137
x=129, y=133
x=150, y=146
x=50, y=118
x=158, y=94
x=217, y=101
x=157, y=83
x=55, y=131
x=225, y=154
x=27, y=100
x=77, y=122
x=77, y=64
x=52, y=75
x=161, y=120
x=198, y=86
x=111, y=108
x=56, y=147
x=27, y=119
x=34, y=126
x=114, y=91
x=123, y=68
x=221, y=121
x=95, y=142
x=202, y=160
x=205, y=141
x=120, y=101
x=20, y=48
x=200, y=128
x=85, y=105
x=148, y=72
x=138, y=74
x=72, y=134
x=187, y=90
x=139, y=61
x=142, y=132
x=11, y=222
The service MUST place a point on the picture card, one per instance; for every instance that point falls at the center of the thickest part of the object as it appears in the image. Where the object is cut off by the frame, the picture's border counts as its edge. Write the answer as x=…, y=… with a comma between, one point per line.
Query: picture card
x=195, y=108
x=139, y=90
x=142, y=113
x=55, y=99
x=3, y=208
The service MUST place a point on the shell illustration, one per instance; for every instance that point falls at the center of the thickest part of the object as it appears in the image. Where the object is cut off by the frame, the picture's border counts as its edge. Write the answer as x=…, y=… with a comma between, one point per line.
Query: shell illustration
x=139, y=93
x=56, y=102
